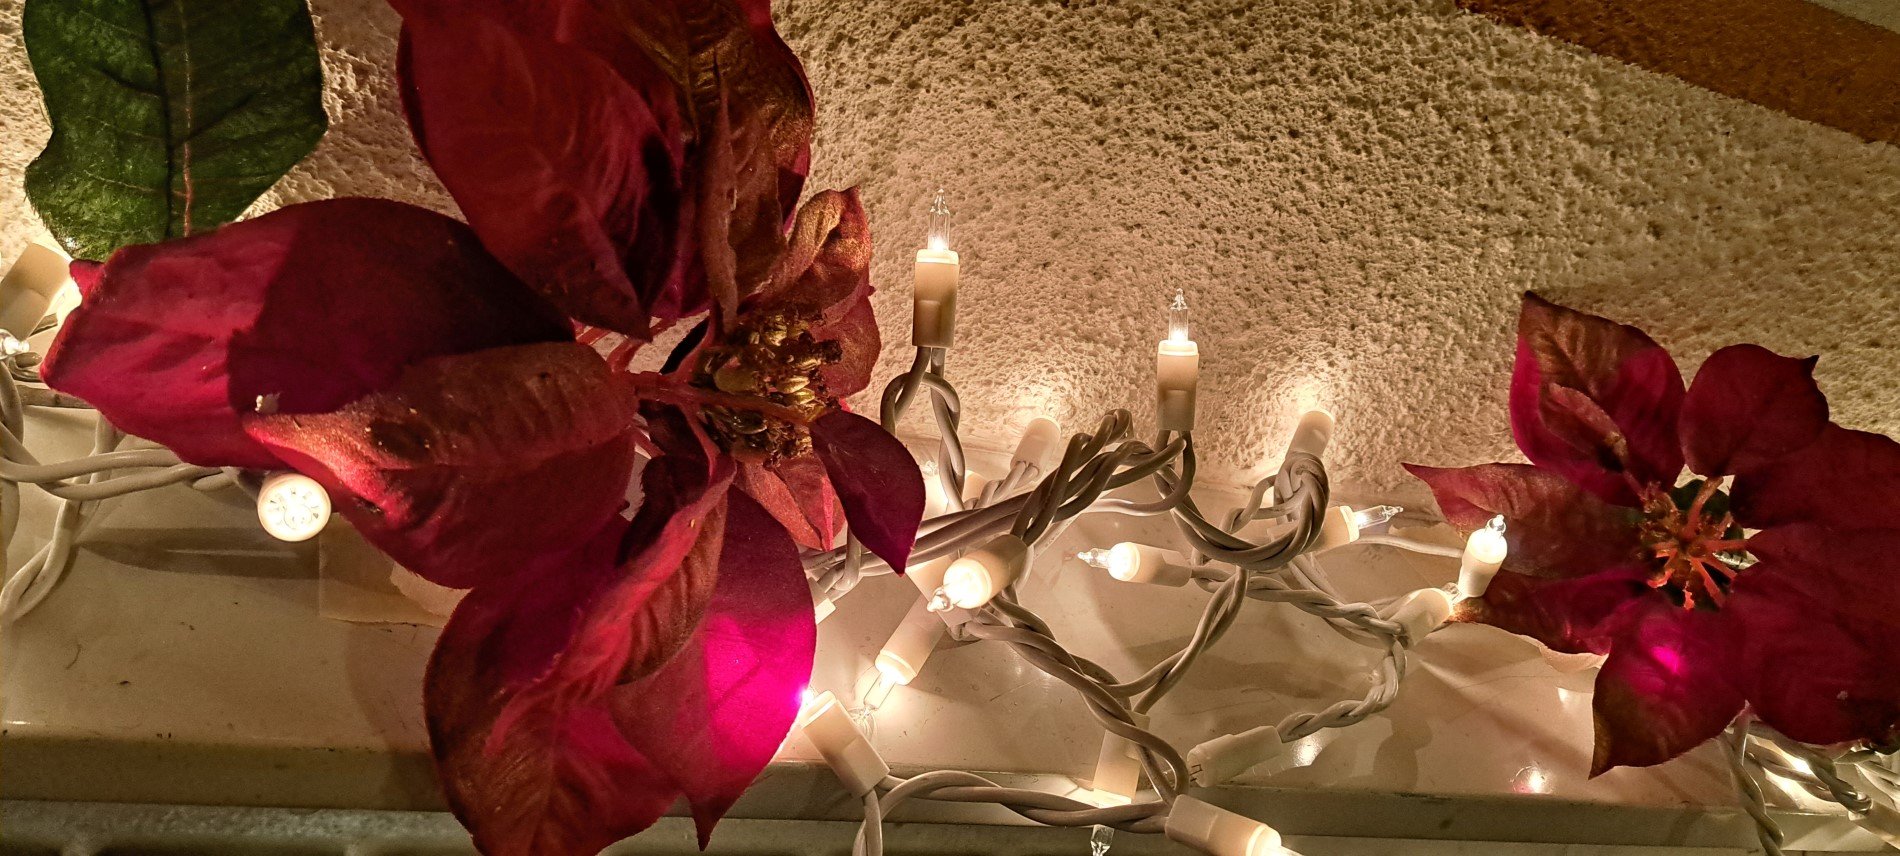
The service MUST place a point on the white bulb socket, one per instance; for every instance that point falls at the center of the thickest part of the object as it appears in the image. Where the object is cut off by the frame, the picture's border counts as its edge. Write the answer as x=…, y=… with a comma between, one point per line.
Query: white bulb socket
x=1312, y=435
x=981, y=574
x=1039, y=440
x=903, y=655
x=851, y=757
x=1338, y=527
x=1140, y=563
x=1420, y=612
x=1485, y=552
x=934, y=301
x=1221, y=759
x=1218, y=832
x=1118, y=768
x=292, y=507
x=27, y=291
x=1177, y=378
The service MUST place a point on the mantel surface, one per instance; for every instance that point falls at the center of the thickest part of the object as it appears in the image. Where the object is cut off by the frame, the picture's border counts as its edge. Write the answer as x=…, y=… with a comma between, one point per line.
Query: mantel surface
x=183, y=660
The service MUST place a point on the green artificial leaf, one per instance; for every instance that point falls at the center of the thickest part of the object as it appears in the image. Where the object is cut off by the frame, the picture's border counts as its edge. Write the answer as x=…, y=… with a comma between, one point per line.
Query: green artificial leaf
x=170, y=117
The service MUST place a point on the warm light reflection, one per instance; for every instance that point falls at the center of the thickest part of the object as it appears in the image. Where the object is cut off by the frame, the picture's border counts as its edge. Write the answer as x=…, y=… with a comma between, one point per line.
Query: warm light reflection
x=1532, y=779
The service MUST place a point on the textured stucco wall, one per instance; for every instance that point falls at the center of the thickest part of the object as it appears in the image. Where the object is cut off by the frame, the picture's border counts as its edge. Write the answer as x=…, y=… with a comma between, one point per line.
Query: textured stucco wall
x=1353, y=194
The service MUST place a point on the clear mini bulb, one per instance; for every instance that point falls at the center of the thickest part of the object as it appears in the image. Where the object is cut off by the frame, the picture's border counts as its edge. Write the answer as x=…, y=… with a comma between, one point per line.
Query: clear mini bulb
x=1366, y=518
x=937, y=228
x=11, y=346
x=292, y=507
x=1179, y=329
x=1099, y=839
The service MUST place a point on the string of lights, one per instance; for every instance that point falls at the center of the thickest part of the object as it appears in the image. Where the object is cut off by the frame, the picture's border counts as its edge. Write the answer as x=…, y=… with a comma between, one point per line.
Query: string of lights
x=977, y=544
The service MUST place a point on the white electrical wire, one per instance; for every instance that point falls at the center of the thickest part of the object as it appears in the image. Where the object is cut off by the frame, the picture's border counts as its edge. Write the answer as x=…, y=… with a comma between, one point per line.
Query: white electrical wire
x=76, y=483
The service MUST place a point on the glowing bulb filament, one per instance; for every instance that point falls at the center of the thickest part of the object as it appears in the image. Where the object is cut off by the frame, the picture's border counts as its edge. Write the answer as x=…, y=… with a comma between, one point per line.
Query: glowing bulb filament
x=1366, y=518
x=937, y=228
x=1178, y=317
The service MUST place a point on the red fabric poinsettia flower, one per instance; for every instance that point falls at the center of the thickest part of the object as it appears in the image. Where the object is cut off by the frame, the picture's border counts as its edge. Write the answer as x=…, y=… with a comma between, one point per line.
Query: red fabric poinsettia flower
x=1769, y=577
x=623, y=165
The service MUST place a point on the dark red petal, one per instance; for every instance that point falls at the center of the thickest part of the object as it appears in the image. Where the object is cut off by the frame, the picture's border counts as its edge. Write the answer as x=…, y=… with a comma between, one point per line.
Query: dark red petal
x=569, y=168
x=312, y=306
x=768, y=487
x=754, y=141
x=713, y=716
x=1554, y=529
x=877, y=481
x=1667, y=686
x=1594, y=400
x=85, y=274
x=826, y=266
x=1817, y=655
x=1844, y=478
x=804, y=476
x=475, y=467
x=856, y=333
x=518, y=692
x=765, y=487
x=562, y=779
x=1747, y=407
x=1566, y=615
x=1855, y=571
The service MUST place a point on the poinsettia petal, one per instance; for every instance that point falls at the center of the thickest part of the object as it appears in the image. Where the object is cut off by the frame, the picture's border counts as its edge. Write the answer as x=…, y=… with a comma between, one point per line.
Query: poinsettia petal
x=1567, y=615
x=1553, y=528
x=754, y=146
x=859, y=344
x=804, y=476
x=1615, y=416
x=518, y=692
x=476, y=466
x=1855, y=571
x=714, y=715
x=876, y=479
x=765, y=486
x=1817, y=654
x=1667, y=686
x=569, y=167
x=563, y=780
x=309, y=307
x=826, y=266
x=1843, y=478
x=1747, y=407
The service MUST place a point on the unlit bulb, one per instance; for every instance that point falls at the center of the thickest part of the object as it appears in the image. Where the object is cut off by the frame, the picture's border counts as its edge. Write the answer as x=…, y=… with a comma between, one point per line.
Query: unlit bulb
x=292, y=507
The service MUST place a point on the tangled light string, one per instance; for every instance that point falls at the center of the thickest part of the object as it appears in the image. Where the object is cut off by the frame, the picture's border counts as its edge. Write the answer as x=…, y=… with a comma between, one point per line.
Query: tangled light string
x=968, y=559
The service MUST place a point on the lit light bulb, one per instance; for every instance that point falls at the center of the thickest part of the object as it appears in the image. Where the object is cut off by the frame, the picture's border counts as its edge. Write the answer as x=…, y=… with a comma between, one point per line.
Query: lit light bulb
x=1342, y=525
x=1485, y=551
x=1178, y=317
x=1219, y=832
x=11, y=346
x=937, y=227
x=1130, y=562
x=292, y=507
x=1099, y=839
x=1177, y=370
x=933, y=320
x=1366, y=518
x=981, y=574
